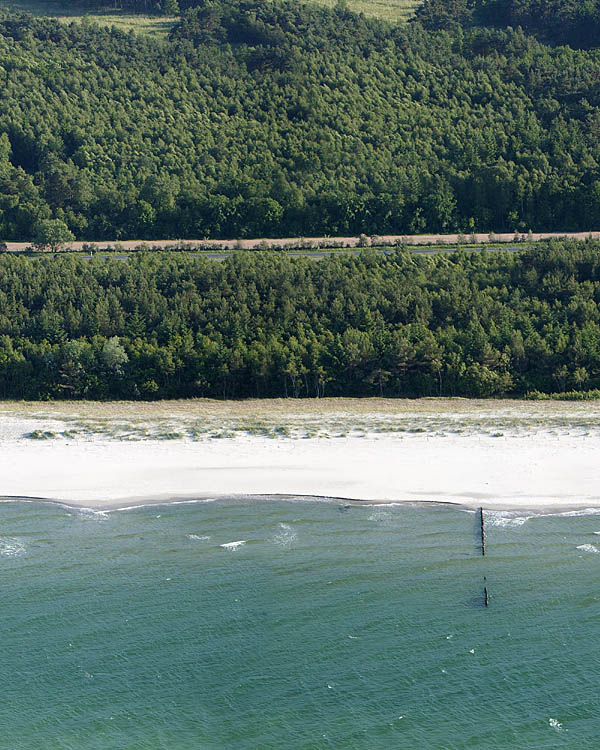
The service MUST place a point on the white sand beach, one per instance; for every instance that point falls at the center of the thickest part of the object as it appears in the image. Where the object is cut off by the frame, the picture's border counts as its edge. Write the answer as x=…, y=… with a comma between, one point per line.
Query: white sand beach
x=497, y=454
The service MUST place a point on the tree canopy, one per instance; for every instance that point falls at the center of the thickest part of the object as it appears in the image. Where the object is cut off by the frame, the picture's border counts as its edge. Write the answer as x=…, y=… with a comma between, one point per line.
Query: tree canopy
x=266, y=325
x=572, y=22
x=284, y=119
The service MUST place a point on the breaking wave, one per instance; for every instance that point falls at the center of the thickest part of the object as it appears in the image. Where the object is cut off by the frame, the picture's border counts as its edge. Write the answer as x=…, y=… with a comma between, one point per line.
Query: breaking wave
x=286, y=536
x=232, y=546
x=505, y=518
x=588, y=548
x=11, y=547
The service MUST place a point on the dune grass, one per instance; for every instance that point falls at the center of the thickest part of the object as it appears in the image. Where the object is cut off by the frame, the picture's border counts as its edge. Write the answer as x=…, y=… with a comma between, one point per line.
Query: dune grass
x=200, y=420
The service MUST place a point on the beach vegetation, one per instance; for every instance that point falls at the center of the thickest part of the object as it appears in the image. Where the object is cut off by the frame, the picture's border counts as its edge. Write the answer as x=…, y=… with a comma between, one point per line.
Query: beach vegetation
x=202, y=420
x=41, y=435
x=591, y=395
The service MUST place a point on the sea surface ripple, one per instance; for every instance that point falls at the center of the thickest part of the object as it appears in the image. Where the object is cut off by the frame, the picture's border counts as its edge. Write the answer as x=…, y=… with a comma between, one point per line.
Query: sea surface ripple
x=296, y=625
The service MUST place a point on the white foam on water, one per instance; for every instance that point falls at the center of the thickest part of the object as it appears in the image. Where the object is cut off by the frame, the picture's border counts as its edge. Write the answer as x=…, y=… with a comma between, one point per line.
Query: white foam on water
x=580, y=512
x=286, y=535
x=232, y=546
x=589, y=548
x=381, y=516
x=555, y=724
x=89, y=514
x=191, y=502
x=198, y=538
x=515, y=518
x=504, y=518
x=11, y=547
x=161, y=505
x=386, y=505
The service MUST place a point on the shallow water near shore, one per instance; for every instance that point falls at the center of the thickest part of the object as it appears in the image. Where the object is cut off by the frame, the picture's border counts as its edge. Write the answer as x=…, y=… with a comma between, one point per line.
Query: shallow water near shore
x=297, y=625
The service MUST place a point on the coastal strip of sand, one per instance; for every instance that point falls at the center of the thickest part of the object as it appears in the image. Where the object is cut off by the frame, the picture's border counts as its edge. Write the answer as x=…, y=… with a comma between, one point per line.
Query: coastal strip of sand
x=499, y=454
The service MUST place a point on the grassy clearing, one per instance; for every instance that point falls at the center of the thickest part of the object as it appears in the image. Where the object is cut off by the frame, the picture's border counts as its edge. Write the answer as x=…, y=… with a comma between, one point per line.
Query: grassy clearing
x=153, y=25
x=391, y=10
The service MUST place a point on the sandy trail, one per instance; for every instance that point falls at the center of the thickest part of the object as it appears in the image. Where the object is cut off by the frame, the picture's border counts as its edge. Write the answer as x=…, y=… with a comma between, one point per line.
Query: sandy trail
x=318, y=242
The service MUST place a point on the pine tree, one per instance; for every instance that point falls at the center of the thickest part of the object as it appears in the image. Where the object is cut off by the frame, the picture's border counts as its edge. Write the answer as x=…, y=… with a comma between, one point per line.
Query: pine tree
x=170, y=7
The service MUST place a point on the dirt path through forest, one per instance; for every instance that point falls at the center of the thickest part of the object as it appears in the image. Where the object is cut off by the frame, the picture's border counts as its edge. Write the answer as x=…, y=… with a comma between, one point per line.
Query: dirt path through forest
x=309, y=243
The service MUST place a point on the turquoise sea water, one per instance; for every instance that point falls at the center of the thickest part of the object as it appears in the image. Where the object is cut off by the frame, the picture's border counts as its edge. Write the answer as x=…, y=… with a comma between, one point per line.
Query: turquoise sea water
x=329, y=628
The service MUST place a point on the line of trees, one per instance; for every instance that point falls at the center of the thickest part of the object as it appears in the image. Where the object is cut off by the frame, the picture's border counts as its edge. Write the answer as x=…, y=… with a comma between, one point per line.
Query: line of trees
x=262, y=325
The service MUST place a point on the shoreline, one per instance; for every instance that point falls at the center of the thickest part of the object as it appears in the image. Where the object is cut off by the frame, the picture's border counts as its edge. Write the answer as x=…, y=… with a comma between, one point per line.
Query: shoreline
x=502, y=455
x=345, y=503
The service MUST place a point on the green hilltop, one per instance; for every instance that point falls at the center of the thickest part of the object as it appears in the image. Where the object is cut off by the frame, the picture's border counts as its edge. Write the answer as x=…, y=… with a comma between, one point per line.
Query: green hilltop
x=254, y=119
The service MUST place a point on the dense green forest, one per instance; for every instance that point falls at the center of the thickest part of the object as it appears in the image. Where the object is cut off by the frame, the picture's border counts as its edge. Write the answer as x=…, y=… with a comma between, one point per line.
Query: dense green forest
x=170, y=325
x=283, y=119
x=573, y=22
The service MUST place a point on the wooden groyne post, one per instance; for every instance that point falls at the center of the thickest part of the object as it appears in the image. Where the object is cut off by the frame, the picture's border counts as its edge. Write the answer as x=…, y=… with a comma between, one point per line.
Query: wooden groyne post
x=482, y=531
x=486, y=596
